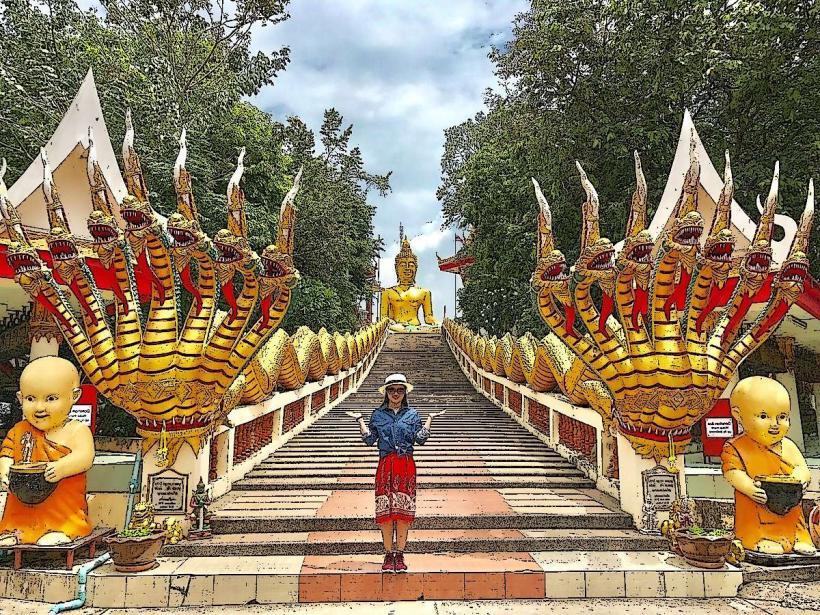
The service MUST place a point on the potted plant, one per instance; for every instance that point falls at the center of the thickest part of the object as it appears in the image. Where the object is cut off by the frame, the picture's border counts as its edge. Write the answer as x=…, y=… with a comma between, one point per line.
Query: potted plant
x=699, y=546
x=136, y=548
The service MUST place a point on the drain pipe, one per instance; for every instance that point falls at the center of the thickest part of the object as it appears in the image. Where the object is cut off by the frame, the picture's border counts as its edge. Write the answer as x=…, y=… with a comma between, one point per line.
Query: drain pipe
x=82, y=573
x=82, y=577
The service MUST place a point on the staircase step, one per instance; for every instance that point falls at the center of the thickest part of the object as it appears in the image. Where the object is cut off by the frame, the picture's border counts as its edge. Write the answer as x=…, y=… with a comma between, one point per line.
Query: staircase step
x=491, y=540
x=429, y=482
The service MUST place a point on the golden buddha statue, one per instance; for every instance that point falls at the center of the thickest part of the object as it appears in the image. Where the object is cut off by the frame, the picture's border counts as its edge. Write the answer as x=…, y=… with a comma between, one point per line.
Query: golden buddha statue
x=400, y=303
x=762, y=455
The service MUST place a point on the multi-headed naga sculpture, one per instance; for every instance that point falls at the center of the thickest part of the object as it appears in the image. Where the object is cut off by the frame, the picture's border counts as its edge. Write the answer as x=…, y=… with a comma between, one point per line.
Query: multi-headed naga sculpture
x=679, y=335
x=177, y=374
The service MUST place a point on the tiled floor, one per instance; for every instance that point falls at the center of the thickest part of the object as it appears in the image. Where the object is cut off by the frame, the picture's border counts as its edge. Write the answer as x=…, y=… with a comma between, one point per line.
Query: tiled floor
x=207, y=581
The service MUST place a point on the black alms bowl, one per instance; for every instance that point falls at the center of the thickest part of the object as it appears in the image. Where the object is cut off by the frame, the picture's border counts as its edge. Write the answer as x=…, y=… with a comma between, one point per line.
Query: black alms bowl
x=27, y=481
x=783, y=493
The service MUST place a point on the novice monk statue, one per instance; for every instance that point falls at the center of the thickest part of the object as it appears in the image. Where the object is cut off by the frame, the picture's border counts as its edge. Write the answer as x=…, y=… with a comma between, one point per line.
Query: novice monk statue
x=762, y=406
x=49, y=387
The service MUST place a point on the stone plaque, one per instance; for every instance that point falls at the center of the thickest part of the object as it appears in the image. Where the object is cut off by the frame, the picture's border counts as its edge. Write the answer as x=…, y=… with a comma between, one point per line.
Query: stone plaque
x=168, y=492
x=660, y=487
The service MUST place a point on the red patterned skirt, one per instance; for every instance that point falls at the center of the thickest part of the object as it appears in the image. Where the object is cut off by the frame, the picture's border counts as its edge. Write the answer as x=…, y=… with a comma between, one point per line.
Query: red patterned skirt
x=396, y=489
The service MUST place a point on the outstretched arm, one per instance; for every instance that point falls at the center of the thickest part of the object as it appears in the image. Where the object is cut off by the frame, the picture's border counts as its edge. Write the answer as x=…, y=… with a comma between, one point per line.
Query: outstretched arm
x=369, y=436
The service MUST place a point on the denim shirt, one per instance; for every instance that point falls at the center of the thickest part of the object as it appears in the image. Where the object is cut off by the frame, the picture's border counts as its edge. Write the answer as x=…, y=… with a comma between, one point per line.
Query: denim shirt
x=396, y=432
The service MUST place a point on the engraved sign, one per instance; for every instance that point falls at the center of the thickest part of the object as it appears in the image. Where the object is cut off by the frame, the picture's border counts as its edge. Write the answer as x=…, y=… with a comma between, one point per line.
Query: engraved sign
x=168, y=492
x=81, y=412
x=720, y=427
x=660, y=487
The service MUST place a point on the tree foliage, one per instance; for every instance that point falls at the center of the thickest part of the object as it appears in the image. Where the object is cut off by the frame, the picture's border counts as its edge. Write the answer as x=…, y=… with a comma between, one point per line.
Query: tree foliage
x=591, y=80
x=189, y=63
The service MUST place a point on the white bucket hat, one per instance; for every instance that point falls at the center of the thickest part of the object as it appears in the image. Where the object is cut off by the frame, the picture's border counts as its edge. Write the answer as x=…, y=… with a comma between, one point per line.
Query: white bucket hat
x=396, y=379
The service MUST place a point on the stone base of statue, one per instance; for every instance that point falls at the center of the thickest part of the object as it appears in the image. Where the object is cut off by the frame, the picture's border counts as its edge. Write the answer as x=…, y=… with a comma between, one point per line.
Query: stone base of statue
x=199, y=534
x=784, y=559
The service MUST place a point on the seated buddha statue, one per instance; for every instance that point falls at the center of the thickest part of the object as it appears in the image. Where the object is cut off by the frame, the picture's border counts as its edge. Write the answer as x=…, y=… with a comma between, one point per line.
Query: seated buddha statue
x=400, y=303
x=49, y=387
x=762, y=406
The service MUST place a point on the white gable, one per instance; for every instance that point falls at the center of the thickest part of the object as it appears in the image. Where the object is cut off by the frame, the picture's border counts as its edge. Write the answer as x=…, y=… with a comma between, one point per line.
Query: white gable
x=711, y=183
x=67, y=151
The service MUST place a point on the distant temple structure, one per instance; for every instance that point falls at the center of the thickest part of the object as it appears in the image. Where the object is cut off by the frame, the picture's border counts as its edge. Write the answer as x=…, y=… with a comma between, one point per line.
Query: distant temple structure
x=459, y=262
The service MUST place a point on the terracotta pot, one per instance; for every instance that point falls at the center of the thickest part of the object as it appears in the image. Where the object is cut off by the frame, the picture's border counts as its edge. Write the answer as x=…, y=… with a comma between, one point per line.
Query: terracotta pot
x=704, y=551
x=27, y=481
x=135, y=554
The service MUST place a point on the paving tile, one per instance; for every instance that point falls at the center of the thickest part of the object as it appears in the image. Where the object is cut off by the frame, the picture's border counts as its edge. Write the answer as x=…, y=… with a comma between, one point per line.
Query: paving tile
x=24, y=585
x=277, y=588
x=484, y=586
x=234, y=589
x=565, y=584
x=320, y=587
x=444, y=586
x=59, y=587
x=644, y=584
x=684, y=583
x=471, y=562
x=365, y=587
x=107, y=591
x=191, y=590
x=721, y=584
x=524, y=585
x=352, y=563
x=147, y=591
x=4, y=578
x=404, y=586
x=600, y=584
x=268, y=564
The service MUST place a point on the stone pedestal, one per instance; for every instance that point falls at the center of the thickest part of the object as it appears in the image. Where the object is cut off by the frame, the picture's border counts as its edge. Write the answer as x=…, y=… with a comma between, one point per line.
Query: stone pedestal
x=632, y=466
x=162, y=485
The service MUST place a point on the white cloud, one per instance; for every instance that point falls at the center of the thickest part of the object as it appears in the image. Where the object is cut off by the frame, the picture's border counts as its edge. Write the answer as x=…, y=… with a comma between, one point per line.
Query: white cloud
x=400, y=72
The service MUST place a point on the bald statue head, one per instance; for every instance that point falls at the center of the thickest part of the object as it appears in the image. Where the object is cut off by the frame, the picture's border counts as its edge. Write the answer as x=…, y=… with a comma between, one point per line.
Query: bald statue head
x=763, y=407
x=49, y=387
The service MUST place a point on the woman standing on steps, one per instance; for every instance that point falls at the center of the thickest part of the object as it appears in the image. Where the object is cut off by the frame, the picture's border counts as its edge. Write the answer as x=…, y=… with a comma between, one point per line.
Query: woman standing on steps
x=396, y=426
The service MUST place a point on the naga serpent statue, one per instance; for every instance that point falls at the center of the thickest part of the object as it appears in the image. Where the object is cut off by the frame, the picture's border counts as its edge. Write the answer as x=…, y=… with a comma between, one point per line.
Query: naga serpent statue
x=678, y=337
x=178, y=374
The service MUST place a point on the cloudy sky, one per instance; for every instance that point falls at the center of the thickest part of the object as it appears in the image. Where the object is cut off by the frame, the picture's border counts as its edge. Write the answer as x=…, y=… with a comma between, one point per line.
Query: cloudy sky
x=400, y=72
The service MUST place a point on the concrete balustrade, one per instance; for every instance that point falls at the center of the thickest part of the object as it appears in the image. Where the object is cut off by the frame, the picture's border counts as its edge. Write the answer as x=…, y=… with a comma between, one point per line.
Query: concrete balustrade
x=255, y=432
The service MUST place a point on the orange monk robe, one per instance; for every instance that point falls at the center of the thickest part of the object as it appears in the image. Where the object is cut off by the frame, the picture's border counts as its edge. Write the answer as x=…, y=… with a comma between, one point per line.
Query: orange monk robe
x=65, y=510
x=755, y=522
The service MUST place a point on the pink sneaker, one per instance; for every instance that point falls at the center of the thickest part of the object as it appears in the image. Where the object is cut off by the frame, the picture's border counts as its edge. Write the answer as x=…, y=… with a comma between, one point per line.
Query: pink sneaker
x=389, y=564
x=400, y=565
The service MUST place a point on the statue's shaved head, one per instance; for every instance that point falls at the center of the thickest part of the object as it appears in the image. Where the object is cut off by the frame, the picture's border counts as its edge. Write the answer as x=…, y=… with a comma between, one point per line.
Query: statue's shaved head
x=49, y=387
x=51, y=368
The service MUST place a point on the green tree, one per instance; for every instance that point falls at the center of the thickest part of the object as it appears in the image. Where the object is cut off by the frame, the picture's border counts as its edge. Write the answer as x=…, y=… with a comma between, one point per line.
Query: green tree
x=335, y=244
x=591, y=80
x=178, y=63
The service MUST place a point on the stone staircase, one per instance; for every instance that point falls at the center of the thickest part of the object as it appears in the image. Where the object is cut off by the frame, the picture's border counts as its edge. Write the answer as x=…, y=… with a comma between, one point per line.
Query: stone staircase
x=485, y=484
x=499, y=516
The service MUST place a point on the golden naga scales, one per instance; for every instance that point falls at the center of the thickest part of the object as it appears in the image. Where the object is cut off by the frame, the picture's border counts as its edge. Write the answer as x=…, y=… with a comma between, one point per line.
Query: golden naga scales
x=178, y=374
x=668, y=335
